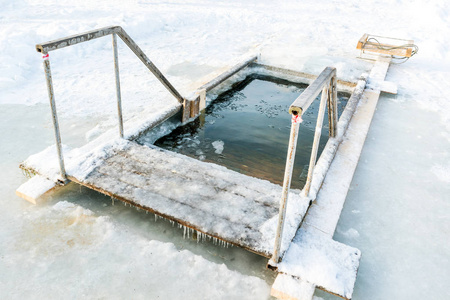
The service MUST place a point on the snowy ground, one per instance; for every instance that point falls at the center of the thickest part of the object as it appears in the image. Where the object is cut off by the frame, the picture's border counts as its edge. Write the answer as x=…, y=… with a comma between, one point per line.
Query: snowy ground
x=78, y=244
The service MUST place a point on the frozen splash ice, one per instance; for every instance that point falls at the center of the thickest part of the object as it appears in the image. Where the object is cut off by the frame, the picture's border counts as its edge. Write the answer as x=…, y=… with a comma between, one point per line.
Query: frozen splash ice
x=65, y=228
x=218, y=146
x=67, y=237
x=442, y=172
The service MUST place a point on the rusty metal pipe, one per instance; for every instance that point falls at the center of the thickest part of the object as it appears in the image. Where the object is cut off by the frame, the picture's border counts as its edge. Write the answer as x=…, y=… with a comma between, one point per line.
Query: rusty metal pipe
x=51, y=96
x=305, y=99
x=97, y=33
x=317, y=135
x=148, y=63
x=116, y=70
x=295, y=124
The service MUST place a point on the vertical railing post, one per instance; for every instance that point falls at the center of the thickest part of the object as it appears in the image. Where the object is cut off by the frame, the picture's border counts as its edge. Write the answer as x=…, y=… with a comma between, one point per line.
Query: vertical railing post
x=332, y=108
x=335, y=109
x=296, y=119
x=317, y=134
x=116, y=69
x=51, y=96
x=325, y=84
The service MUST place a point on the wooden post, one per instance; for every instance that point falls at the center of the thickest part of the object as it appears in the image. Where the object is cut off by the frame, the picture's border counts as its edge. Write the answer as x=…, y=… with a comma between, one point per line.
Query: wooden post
x=202, y=94
x=195, y=107
x=186, y=111
x=362, y=41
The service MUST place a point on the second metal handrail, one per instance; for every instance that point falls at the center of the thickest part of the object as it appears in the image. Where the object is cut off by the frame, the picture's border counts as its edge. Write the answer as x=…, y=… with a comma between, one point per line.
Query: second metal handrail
x=115, y=31
x=325, y=83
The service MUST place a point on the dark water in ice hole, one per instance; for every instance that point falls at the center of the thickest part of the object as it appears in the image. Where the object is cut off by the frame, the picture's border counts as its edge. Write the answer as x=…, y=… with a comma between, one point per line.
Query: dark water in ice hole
x=252, y=123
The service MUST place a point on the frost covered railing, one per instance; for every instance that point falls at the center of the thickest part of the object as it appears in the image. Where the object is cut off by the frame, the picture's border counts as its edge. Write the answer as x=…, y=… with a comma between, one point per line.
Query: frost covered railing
x=325, y=83
x=115, y=31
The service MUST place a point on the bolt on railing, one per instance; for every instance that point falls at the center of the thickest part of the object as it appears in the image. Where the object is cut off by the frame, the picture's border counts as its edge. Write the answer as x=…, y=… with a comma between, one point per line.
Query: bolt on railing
x=325, y=83
x=115, y=31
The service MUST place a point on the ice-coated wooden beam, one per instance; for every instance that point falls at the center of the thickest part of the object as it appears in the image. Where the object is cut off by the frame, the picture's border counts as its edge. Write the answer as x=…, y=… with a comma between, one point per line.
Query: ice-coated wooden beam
x=303, y=77
x=224, y=76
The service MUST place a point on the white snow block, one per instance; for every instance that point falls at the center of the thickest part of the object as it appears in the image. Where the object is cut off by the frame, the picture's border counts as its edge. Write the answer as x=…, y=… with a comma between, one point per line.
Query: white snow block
x=389, y=87
x=35, y=188
x=317, y=259
x=287, y=287
x=384, y=86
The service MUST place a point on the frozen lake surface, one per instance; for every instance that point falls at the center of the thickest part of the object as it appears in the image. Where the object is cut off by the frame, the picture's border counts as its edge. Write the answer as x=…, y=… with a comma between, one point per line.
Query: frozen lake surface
x=79, y=244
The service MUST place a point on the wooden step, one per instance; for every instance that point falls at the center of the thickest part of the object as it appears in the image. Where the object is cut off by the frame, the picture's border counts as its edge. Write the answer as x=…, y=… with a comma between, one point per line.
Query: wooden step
x=35, y=188
x=287, y=287
x=316, y=258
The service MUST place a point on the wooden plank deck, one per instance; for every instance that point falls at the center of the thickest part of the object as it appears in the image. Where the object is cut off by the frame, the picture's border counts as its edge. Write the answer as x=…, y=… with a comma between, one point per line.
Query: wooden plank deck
x=206, y=197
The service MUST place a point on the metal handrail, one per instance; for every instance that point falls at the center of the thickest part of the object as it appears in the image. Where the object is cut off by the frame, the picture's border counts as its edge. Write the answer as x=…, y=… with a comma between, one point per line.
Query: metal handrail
x=115, y=31
x=325, y=83
x=44, y=48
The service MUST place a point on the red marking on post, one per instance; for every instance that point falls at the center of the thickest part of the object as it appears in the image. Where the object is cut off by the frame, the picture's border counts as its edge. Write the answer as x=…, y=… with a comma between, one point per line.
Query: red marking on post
x=45, y=56
x=296, y=119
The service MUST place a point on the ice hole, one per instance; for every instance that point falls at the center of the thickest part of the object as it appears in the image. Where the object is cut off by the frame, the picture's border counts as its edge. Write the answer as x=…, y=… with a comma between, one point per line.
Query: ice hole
x=246, y=129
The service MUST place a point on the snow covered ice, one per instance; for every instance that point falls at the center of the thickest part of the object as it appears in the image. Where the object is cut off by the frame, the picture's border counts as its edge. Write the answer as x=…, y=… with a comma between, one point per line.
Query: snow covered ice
x=74, y=245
